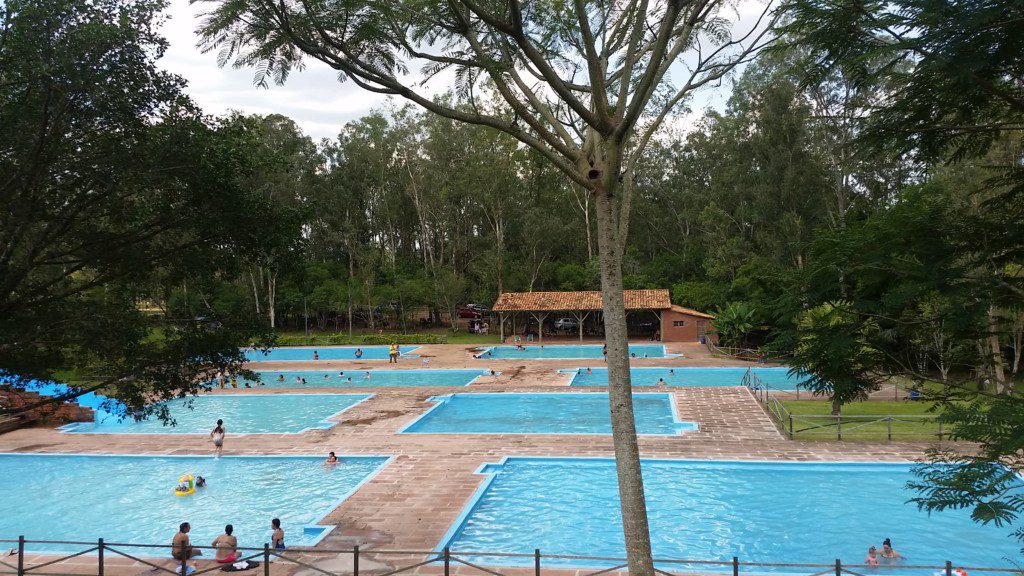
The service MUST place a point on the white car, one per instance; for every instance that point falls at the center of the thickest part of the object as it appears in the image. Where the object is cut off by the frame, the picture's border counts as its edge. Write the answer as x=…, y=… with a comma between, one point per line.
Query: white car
x=567, y=324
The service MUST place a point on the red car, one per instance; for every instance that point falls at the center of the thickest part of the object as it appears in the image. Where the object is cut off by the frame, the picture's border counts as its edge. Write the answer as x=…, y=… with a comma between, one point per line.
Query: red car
x=466, y=312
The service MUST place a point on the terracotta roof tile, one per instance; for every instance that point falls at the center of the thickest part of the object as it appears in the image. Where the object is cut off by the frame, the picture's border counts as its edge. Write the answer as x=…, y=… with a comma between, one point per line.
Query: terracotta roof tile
x=565, y=301
x=691, y=312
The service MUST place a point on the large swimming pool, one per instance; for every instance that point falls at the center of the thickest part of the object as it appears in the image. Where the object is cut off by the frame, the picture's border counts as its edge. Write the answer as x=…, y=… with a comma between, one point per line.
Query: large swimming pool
x=305, y=353
x=776, y=377
x=543, y=413
x=358, y=378
x=759, y=511
x=130, y=498
x=567, y=351
x=242, y=414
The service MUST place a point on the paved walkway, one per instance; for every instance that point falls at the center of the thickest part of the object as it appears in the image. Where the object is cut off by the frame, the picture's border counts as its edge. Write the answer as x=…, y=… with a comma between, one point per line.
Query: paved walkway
x=412, y=502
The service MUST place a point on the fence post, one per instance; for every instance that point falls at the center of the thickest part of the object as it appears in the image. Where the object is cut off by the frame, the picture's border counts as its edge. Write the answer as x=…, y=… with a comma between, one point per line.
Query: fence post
x=355, y=560
x=790, y=425
x=266, y=559
x=447, y=561
x=889, y=422
x=839, y=568
x=21, y=556
x=99, y=557
x=185, y=551
x=536, y=561
x=949, y=568
x=735, y=566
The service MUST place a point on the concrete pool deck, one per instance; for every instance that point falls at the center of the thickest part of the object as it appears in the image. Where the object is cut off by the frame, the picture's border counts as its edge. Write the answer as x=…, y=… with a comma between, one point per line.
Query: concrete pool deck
x=410, y=504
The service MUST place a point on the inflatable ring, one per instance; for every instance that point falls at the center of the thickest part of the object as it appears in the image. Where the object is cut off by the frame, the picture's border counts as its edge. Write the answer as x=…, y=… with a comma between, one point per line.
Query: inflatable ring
x=187, y=480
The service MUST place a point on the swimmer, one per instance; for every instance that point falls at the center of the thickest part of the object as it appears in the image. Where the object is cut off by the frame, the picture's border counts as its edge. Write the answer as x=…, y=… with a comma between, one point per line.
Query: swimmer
x=304, y=381
x=298, y=380
x=326, y=376
x=661, y=382
x=331, y=458
x=589, y=372
x=633, y=355
x=888, y=552
x=342, y=373
x=367, y=377
x=872, y=558
x=671, y=372
x=359, y=352
x=316, y=356
x=200, y=481
x=349, y=379
x=280, y=377
x=247, y=385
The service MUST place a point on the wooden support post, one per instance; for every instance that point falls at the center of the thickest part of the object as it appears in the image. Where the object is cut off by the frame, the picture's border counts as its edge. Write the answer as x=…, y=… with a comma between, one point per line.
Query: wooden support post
x=501, y=326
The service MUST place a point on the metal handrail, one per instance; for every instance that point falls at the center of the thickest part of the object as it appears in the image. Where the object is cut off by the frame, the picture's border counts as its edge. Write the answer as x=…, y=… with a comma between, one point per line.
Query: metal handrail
x=447, y=557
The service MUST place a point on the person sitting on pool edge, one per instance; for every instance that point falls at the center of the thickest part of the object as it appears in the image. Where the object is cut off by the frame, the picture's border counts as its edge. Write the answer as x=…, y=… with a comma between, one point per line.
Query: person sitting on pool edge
x=226, y=545
x=277, y=537
x=181, y=548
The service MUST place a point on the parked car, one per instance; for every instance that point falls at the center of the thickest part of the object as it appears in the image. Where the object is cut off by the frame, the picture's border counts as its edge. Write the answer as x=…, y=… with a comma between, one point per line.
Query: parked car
x=479, y=308
x=567, y=324
x=467, y=312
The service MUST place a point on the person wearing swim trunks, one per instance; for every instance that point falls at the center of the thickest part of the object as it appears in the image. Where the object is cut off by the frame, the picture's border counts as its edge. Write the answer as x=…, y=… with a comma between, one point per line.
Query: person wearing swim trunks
x=227, y=546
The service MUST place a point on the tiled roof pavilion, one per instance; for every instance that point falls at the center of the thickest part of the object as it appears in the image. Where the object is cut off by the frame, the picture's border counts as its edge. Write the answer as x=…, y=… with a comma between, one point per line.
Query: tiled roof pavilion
x=578, y=301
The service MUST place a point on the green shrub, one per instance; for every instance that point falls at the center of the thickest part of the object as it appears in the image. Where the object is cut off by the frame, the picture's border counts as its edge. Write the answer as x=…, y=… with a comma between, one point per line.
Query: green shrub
x=404, y=339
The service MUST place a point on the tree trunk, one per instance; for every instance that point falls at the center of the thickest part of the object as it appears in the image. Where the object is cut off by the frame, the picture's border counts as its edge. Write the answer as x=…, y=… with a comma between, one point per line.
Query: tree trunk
x=627, y=451
x=272, y=298
x=1002, y=385
x=837, y=407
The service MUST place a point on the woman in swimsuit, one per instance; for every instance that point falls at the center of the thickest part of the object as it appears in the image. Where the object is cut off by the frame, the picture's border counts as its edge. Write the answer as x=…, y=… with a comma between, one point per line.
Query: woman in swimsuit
x=277, y=538
x=217, y=434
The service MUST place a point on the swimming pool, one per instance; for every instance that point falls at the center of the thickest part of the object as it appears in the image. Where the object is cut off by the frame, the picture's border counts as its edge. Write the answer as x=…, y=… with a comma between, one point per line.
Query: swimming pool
x=305, y=353
x=129, y=498
x=242, y=414
x=543, y=413
x=774, y=376
x=567, y=351
x=758, y=511
x=357, y=378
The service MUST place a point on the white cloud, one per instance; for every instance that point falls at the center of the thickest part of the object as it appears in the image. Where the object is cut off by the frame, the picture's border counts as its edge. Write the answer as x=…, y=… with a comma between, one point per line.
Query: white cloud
x=314, y=98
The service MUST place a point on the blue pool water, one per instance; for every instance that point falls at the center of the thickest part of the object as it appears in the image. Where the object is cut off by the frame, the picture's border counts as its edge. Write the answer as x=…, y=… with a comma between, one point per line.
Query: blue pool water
x=305, y=353
x=568, y=351
x=776, y=377
x=242, y=414
x=130, y=499
x=357, y=378
x=759, y=511
x=514, y=413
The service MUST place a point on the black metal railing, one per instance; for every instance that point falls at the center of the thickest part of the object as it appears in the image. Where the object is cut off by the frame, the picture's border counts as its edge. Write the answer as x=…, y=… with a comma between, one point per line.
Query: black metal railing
x=840, y=426
x=444, y=561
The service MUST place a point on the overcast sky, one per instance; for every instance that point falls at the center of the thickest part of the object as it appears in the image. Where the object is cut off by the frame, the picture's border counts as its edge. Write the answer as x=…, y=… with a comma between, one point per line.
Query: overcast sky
x=313, y=97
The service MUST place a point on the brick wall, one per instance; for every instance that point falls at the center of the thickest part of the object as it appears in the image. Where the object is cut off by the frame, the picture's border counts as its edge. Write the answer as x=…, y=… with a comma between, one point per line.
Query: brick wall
x=690, y=330
x=58, y=413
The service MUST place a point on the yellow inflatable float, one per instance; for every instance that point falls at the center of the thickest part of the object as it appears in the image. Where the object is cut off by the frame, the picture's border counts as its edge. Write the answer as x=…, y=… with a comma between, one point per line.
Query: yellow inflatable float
x=186, y=485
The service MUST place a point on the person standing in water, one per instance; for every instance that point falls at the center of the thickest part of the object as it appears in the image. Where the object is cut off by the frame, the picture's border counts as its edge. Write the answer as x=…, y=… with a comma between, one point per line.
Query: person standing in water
x=217, y=434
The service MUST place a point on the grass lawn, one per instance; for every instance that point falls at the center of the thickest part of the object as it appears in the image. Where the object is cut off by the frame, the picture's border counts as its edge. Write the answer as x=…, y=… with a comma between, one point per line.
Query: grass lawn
x=861, y=421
